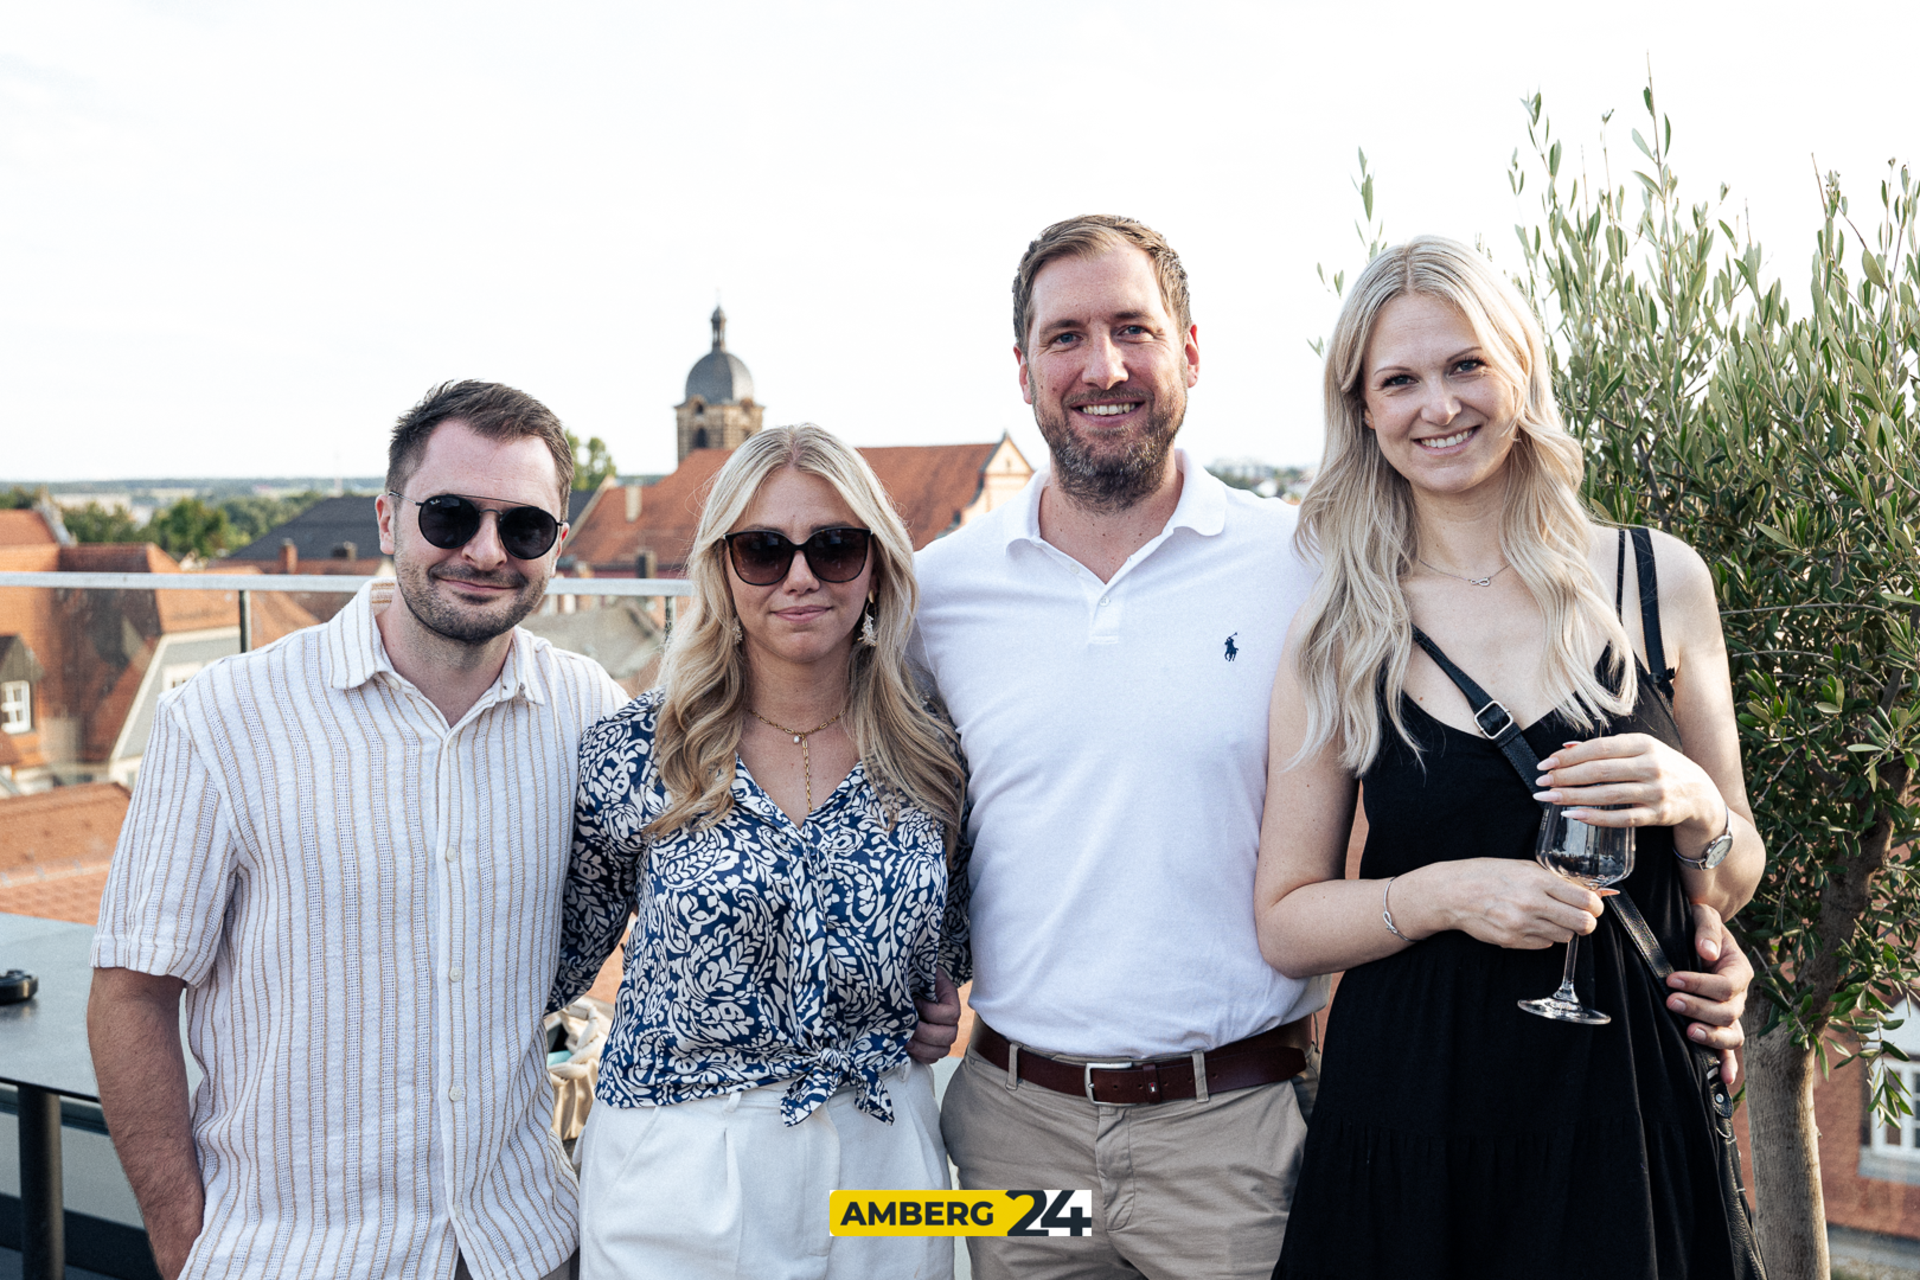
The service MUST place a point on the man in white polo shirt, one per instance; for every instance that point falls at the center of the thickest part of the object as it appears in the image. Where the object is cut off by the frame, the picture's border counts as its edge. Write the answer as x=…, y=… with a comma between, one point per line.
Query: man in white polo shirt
x=347, y=849
x=1107, y=646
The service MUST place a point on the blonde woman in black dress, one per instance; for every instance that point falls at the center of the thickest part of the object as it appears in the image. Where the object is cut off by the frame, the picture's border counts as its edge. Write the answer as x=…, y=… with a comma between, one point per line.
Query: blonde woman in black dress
x=1454, y=1134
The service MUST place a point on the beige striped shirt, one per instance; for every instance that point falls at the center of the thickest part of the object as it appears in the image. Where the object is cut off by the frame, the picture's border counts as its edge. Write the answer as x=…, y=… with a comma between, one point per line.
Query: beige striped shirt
x=365, y=905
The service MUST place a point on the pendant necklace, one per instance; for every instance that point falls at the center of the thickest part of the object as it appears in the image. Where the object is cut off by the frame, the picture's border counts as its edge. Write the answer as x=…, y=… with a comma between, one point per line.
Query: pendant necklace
x=1478, y=582
x=806, y=754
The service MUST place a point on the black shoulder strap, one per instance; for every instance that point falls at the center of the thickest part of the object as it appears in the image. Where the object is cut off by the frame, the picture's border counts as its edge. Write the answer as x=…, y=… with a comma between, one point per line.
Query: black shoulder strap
x=1620, y=577
x=1650, y=607
x=1492, y=719
x=1520, y=754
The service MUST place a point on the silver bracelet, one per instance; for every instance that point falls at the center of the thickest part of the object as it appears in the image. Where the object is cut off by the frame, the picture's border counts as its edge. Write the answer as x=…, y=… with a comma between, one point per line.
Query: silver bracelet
x=1386, y=912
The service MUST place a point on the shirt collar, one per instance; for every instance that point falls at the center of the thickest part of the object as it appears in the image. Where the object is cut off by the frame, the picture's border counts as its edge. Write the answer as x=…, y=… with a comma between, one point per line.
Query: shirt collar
x=1202, y=506
x=356, y=653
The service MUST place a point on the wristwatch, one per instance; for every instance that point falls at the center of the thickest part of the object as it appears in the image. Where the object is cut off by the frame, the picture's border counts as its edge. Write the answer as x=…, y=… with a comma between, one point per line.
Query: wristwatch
x=1716, y=851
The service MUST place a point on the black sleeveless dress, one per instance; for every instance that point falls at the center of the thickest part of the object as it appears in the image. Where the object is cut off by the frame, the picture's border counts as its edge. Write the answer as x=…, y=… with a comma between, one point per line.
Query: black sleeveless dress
x=1457, y=1136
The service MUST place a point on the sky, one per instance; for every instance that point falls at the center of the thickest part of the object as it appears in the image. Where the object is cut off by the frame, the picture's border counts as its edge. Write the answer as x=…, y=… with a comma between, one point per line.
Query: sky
x=241, y=238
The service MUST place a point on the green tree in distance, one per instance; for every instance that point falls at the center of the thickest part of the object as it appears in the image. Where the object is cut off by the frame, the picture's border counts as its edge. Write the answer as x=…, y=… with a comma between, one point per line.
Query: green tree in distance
x=190, y=528
x=592, y=462
x=95, y=523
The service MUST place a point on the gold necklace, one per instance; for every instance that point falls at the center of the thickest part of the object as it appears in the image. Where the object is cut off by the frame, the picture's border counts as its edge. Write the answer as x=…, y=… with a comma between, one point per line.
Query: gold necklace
x=806, y=755
x=1478, y=582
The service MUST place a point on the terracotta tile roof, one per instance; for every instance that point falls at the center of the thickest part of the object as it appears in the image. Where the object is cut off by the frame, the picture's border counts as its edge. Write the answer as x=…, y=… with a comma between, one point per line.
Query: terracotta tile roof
x=29, y=559
x=931, y=486
x=23, y=528
x=104, y=715
x=96, y=646
x=59, y=843
x=116, y=557
x=669, y=514
x=60, y=829
x=71, y=895
x=320, y=605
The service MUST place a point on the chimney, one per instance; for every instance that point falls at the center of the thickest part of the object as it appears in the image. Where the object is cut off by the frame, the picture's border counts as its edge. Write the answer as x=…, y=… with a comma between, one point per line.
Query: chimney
x=646, y=565
x=289, y=556
x=347, y=551
x=633, y=503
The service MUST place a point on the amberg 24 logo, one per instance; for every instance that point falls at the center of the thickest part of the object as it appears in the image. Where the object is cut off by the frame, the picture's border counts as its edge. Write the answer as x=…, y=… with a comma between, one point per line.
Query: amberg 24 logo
x=960, y=1213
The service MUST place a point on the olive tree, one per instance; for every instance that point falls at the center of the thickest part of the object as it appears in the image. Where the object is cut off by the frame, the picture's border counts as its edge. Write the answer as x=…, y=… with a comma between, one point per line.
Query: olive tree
x=1775, y=431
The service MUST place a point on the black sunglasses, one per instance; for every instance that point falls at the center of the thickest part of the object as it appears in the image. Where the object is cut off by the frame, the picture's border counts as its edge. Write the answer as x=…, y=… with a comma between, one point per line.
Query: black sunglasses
x=449, y=522
x=762, y=557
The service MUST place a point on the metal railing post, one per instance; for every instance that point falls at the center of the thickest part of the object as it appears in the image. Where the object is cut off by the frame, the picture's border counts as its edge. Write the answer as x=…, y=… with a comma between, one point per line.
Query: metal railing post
x=43, y=1225
x=246, y=621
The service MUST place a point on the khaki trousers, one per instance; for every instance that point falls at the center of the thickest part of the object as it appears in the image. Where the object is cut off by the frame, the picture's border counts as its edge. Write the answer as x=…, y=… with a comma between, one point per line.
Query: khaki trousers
x=1181, y=1190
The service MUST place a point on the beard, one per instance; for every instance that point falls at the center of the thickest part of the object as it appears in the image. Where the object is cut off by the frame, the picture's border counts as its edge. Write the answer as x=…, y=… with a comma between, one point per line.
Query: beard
x=467, y=624
x=1110, y=475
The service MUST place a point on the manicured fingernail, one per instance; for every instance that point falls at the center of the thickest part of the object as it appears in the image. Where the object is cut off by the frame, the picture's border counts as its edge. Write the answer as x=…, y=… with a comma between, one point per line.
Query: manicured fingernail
x=1606, y=893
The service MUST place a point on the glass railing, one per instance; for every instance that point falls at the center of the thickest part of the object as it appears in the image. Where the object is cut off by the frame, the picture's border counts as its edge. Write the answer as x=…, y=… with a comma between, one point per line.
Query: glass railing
x=84, y=656
x=563, y=593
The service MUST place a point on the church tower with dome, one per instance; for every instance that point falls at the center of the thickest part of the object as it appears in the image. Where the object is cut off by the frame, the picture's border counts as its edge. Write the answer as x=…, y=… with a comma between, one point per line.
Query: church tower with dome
x=719, y=411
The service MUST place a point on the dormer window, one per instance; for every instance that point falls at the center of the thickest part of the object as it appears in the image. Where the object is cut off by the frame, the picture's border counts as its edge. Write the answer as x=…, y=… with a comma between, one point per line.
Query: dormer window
x=16, y=706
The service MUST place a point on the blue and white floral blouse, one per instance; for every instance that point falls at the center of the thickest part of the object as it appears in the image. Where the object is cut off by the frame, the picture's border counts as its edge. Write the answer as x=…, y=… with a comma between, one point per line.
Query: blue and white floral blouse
x=763, y=951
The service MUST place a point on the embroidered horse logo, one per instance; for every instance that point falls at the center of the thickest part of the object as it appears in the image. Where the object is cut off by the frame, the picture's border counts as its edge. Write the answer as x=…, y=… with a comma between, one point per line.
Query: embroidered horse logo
x=1233, y=651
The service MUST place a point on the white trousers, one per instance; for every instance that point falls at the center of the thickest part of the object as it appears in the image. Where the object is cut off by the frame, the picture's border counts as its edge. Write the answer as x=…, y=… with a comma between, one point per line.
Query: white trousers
x=718, y=1188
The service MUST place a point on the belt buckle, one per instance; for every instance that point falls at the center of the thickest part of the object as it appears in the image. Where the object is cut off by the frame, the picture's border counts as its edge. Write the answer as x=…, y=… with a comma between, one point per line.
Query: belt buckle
x=1086, y=1075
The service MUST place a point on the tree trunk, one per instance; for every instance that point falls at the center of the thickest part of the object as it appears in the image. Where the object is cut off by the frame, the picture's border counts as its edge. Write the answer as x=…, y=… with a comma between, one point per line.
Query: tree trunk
x=1791, y=1213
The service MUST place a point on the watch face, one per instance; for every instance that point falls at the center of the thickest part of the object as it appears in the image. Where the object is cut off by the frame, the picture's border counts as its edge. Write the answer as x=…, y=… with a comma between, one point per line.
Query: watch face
x=1716, y=851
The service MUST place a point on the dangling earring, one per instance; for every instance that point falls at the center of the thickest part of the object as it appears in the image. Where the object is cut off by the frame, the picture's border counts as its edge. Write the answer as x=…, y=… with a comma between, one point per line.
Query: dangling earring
x=738, y=634
x=868, y=636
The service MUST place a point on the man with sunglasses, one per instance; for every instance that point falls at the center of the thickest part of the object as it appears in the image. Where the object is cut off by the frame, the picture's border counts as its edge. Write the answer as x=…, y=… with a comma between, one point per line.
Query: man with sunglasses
x=347, y=850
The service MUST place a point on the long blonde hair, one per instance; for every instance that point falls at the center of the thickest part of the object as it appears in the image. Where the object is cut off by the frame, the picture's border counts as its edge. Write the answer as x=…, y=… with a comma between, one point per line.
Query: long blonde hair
x=1355, y=631
x=910, y=752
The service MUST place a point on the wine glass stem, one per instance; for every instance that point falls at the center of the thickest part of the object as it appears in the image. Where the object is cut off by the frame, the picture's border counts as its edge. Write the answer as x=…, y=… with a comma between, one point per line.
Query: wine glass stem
x=1566, y=993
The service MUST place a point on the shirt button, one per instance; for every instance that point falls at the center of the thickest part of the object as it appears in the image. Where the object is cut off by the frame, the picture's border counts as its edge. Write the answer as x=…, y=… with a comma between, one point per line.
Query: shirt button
x=456, y=1093
x=453, y=855
x=1104, y=602
x=453, y=974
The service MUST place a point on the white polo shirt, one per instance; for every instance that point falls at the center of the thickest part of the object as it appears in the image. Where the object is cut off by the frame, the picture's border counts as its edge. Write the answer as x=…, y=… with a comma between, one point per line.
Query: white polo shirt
x=1116, y=738
x=364, y=903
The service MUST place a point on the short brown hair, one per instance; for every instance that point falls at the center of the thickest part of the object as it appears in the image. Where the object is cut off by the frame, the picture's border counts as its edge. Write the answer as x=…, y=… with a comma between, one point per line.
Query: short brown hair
x=1089, y=236
x=491, y=410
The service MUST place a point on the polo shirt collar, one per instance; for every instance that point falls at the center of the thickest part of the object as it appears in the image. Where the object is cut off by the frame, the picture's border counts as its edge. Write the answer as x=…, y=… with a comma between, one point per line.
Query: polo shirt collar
x=1202, y=506
x=356, y=653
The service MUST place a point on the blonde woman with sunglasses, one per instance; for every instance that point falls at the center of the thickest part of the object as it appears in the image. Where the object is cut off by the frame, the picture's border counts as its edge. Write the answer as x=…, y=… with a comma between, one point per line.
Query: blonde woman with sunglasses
x=780, y=813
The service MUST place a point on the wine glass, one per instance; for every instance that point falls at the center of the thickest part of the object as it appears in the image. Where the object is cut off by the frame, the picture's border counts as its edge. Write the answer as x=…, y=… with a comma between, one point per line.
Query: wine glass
x=1594, y=856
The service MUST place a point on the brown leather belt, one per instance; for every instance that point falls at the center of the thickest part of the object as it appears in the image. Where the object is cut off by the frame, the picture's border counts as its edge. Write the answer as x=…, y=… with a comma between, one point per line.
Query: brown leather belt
x=1267, y=1058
